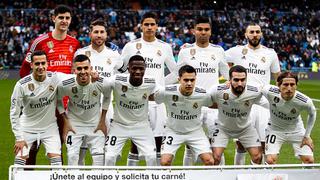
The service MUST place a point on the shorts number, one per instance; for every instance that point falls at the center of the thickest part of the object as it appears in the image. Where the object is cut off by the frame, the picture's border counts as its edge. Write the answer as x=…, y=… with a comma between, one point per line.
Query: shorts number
x=69, y=141
x=113, y=140
x=169, y=139
x=271, y=139
x=215, y=133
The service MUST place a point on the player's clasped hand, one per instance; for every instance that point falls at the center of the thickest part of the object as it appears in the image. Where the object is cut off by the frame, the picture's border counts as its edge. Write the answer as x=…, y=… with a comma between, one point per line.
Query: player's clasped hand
x=102, y=127
x=67, y=127
x=19, y=146
x=307, y=141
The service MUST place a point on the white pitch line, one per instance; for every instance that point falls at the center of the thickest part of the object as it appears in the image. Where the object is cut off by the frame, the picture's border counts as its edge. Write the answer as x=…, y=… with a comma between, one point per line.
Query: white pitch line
x=316, y=100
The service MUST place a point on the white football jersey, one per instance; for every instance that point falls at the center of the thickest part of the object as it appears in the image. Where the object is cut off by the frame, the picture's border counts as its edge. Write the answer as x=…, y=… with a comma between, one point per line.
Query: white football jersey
x=33, y=104
x=233, y=110
x=260, y=63
x=208, y=62
x=157, y=54
x=285, y=115
x=131, y=102
x=84, y=101
x=106, y=63
x=183, y=112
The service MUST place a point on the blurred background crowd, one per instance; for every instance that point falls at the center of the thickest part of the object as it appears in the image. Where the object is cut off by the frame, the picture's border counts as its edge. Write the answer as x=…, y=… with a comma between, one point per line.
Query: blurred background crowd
x=290, y=27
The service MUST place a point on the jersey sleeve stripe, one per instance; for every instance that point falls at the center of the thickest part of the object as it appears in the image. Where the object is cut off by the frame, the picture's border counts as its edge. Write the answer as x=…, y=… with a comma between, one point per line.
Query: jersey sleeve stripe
x=252, y=88
x=68, y=81
x=171, y=88
x=301, y=98
x=224, y=87
x=25, y=80
x=37, y=41
x=274, y=90
x=200, y=90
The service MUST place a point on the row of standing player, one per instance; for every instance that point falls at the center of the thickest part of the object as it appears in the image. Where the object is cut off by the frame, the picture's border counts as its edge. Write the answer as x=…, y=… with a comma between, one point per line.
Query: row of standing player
x=208, y=60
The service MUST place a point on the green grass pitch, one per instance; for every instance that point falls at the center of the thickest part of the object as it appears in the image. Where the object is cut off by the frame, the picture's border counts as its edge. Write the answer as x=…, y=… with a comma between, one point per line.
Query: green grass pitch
x=309, y=87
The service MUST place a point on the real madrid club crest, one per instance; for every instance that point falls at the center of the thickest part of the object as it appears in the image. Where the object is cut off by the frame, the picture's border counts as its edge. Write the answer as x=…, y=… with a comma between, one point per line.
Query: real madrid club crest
x=144, y=96
x=31, y=86
x=195, y=105
x=175, y=98
x=159, y=53
x=138, y=47
x=50, y=46
x=293, y=111
x=74, y=90
x=109, y=61
x=276, y=99
x=87, y=53
x=94, y=93
x=192, y=53
x=124, y=88
x=71, y=49
x=244, y=52
x=225, y=96
x=51, y=88
x=263, y=59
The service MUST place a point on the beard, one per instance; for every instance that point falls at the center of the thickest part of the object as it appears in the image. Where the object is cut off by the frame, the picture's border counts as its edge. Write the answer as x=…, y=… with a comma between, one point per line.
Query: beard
x=238, y=90
x=254, y=42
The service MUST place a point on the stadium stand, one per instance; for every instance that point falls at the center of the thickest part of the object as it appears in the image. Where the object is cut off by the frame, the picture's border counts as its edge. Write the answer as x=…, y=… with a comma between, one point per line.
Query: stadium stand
x=291, y=28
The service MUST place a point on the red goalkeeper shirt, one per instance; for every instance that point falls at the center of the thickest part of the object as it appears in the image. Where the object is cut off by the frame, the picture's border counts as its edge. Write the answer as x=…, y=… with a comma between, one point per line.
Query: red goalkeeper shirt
x=59, y=53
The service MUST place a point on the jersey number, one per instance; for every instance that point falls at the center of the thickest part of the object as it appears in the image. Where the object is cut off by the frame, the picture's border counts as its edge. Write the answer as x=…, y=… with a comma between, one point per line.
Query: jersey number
x=169, y=140
x=113, y=140
x=271, y=138
x=215, y=133
x=69, y=141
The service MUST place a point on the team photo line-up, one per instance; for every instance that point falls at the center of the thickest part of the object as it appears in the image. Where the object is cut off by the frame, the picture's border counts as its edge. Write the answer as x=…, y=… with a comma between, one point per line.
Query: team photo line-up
x=94, y=98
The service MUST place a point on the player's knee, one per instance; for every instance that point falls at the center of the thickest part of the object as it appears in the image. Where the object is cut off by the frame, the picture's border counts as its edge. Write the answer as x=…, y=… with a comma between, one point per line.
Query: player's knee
x=271, y=160
x=208, y=161
x=307, y=159
x=257, y=158
x=165, y=161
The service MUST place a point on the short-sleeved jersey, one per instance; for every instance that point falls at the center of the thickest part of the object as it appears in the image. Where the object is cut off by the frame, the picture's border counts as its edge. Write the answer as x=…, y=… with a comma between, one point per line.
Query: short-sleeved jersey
x=260, y=63
x=183, y=112
x=157, y=54
x=84, y=101
x=285, y=115
x=59, y=52
x=233, y=110
x=208, y=62
x=106, y=62
x=131, y=102
x=33, y=104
